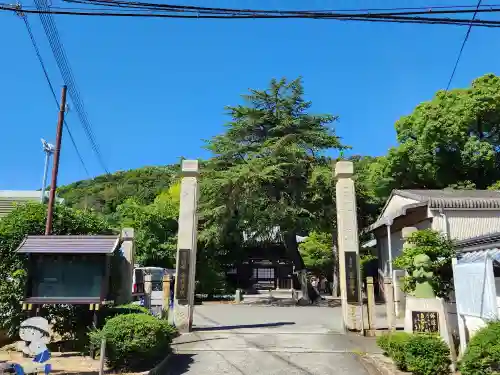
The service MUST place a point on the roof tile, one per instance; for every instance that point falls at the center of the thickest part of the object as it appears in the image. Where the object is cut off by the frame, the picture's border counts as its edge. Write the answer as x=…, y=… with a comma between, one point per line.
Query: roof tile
x=69, y=244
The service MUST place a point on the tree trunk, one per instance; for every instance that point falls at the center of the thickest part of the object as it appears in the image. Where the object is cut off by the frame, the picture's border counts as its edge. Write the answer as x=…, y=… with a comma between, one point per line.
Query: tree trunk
x=292, y=248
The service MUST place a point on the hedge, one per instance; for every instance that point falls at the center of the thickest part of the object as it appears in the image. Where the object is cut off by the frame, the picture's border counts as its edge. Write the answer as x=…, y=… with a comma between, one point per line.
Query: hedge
x=134, y=341
x=420, y=354
x=482, y=355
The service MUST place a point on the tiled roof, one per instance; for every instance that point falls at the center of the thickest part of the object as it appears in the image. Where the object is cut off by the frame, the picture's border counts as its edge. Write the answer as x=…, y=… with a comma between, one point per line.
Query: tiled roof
x=69, y=244
x=449, y=198
x=485, y=241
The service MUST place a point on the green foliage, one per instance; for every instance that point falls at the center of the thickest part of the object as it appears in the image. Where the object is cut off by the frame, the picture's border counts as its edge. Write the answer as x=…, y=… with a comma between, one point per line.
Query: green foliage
x=450, y=140
x=134, y=341
x=317, y=252
x=421, y=354
x=29, y=219
x=129, y=308
x=210, y=279
x=482, y=356
x=260, y=175
x=156, y=227
x=427, y=355
x=394, y=345
x=105, y=193
x=495, y=186
x=439, y=249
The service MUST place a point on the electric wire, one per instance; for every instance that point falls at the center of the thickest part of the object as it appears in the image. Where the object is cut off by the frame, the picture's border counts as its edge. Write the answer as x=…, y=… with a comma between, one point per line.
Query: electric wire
x=361, y=17
x=59, y=53
x=459, y=57
x=47, y=78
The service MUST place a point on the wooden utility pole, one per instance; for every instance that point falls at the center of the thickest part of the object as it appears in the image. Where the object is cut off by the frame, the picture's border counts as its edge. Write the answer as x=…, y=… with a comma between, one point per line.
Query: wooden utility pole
x=55, y=168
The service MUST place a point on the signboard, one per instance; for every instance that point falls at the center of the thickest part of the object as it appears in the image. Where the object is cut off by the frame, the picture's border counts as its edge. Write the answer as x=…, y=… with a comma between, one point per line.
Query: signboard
x=182, y=278
x=352, y=280
x=425, y=321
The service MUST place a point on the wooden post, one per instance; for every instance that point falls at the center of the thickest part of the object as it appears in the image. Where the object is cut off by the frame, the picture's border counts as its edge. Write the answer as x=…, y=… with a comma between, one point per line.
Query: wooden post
x=166, y=295
x=389, y=302
x=148, y=289
x=370, y=294
x=102, y=357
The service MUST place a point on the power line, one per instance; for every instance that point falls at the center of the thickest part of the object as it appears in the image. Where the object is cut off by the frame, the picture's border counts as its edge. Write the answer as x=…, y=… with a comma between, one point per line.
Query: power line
x=380, y=17
x=47, y=78
x=59, y=53
x=463, y=46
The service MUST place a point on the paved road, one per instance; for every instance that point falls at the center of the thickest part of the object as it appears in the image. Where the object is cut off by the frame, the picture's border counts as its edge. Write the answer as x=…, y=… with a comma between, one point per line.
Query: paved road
x=241, y=340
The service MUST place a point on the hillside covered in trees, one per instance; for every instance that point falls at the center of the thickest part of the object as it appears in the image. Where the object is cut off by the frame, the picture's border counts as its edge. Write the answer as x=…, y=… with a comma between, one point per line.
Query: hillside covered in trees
x=106, y=192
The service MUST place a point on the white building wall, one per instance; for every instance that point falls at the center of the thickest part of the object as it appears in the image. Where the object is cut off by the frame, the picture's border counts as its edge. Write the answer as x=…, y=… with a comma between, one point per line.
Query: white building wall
x=396, y=246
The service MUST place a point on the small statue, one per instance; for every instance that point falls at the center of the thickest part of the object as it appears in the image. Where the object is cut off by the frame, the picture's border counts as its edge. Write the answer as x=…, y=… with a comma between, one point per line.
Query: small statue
x=423, y=288
x=35, y=333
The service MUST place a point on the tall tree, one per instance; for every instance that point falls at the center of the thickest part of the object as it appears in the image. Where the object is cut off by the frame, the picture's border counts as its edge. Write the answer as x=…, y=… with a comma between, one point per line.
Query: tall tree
x=260, y=176
x=451, y=140
x=156, y=226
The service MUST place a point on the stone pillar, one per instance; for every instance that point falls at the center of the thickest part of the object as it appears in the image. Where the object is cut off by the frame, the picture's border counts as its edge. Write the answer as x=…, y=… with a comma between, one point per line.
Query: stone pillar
x=398, y=275
x=371, y=306
x=127, y=266
x=186, y=247
x=348, y=244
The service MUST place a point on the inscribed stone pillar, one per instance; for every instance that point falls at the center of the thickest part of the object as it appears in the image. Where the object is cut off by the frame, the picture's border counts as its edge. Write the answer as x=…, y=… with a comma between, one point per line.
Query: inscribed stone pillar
x=127, y=266
x=348, y=245
x=398, y=275
x=186, y=247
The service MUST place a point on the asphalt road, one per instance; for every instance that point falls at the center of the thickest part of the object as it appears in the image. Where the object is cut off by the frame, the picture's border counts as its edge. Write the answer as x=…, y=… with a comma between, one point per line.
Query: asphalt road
x=240, y=339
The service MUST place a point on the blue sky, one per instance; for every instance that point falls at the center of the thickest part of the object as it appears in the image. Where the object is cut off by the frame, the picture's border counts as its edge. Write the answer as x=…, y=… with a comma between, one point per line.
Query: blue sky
x=154, y=88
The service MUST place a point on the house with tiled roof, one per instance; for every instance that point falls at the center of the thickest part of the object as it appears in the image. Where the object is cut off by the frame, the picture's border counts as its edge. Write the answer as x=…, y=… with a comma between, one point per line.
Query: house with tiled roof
x=459, y=214
x=9, y=199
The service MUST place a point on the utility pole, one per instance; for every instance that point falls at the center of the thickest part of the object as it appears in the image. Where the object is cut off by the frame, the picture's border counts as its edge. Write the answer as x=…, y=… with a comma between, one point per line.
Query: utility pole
x=55, y=168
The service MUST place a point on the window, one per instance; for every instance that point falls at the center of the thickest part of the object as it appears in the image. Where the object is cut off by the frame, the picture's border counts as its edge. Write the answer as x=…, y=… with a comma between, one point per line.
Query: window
x=263, y=273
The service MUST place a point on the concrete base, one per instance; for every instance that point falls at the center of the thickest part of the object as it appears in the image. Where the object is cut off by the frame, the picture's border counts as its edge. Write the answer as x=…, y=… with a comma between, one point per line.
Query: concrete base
x=181, y=318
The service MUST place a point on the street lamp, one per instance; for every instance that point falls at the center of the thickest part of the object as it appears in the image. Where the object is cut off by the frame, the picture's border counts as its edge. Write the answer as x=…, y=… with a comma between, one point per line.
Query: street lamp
x=49, y=150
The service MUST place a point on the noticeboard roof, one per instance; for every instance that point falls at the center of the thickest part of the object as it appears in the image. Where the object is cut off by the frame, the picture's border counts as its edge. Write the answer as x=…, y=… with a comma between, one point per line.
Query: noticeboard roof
x=69, y=245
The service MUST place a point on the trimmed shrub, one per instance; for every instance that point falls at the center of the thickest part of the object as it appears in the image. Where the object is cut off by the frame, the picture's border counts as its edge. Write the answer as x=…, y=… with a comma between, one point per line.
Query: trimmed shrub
x=134, y=341
x=397, y=348
x=383, y=342
x=483, y=352
x=427, y=355
x=393, y=344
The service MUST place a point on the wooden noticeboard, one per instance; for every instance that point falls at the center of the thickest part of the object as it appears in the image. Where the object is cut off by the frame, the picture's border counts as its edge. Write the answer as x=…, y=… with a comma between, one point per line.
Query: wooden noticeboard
x=182, y=277
x=425, y=321
x=351, y=274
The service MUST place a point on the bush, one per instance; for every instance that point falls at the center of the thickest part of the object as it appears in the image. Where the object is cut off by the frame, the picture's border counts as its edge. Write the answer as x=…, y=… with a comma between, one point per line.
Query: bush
x=134, y=341
x=394, y=345
x=483, y=352
x=419, y=353
x=128, y=308
x=427, y=355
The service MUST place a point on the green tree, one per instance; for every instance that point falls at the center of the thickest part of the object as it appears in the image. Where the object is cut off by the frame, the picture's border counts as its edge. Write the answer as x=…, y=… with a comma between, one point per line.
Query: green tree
x=25, y=220
x=260, y=175
x=316, y=251
x=156, y=227
x=439, y=249
x=452, y=139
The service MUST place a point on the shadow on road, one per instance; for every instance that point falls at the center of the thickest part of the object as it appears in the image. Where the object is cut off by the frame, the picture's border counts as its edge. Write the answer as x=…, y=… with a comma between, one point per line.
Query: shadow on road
x=223, y=328
x=175, y=364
